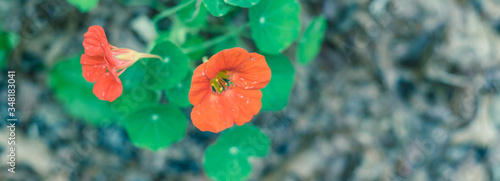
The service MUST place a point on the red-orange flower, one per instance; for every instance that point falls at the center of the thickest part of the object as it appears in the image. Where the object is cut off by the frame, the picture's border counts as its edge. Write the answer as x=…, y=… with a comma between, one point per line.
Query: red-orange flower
x=102, y=63
x=226, y=89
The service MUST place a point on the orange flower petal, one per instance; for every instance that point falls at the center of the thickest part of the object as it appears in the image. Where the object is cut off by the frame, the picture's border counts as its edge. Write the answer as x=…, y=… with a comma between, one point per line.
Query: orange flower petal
x=215, y=114
x=229, y=59
x=200, y=85
x=248, y=101
x=256, y=74
x=108, y=87
x=93, y=67
x=95, y=41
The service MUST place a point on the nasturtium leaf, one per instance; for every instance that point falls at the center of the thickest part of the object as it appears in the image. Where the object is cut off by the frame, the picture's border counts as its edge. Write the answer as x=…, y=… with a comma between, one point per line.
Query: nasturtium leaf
x=156, y=126
x=75, y=93
x=134, y=75
x=179, y=94
x=310, y=42
x=195, y=41
x=227, y=159
x=169, y=72
x=131, y=100
x=4, y=49
x=243, y=3
x=193, y=15
x=137, y=91
x=275, y=24
x=84, y=5
x=217, y=7
x=275, y=94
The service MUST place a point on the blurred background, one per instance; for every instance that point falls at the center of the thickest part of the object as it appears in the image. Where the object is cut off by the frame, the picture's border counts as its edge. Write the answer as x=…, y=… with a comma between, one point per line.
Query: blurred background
x=401, y=90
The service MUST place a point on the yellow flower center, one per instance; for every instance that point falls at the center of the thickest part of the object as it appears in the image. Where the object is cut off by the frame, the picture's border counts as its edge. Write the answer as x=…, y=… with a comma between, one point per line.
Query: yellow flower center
x=220, y=82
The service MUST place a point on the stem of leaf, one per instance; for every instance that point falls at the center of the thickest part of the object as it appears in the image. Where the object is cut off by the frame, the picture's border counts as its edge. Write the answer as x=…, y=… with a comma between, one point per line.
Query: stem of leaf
x=171, y=11
x=216, y=40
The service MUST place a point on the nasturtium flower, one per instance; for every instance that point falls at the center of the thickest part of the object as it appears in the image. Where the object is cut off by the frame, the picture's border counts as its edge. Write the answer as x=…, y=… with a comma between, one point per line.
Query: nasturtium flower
x=102, y=63
x=226, y=89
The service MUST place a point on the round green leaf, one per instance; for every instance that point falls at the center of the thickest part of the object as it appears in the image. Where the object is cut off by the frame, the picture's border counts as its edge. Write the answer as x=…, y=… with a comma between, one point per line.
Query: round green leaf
x=131, y=100
x=228, y=158
x=193, y=15
x=242, y=3
x=76, y=95
x=275, y=94
x=275, y=24
x=310, y=43
x=156, y=126
x=135, y=93
x=217, y=7
x=179, y=95
x=169, y=72
x=84, y=5
x=134, y=75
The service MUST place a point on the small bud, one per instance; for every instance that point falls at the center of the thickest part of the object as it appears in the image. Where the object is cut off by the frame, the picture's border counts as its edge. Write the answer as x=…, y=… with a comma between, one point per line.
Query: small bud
x=127, y=57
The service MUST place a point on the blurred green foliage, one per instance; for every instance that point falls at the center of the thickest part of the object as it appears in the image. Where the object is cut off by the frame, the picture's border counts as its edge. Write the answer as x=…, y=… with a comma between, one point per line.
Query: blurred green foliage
x=194, y=15
x=84, y=5
x=242, y=3
x=217, y=8
x=8, y=41
x=195, y=41
x=310, y=42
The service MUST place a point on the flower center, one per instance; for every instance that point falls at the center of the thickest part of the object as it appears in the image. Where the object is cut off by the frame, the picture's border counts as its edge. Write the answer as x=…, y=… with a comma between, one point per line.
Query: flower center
x=220, y=82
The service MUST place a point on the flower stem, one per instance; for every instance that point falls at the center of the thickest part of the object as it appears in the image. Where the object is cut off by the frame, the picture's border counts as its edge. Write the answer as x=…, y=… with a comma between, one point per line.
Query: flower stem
x=146, y=55
x=216, y=40
x=171, y=11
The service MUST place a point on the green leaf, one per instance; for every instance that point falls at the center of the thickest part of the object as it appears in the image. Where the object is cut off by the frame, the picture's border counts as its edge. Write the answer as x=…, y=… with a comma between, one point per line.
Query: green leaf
x=275, y=94
x=75, y=93
x=217, y=7
x=4, y=49
x=14, y=40
x=135, y=93
x=156, y=126
x=179, y=95
x=195, y=41
x=227, y=159
x=275, y=24
x=131, y=100
x=310, y=43
x=243, y=3
x=134, y=75
x=169, y=72
x=193, y=15
x=84, y=5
